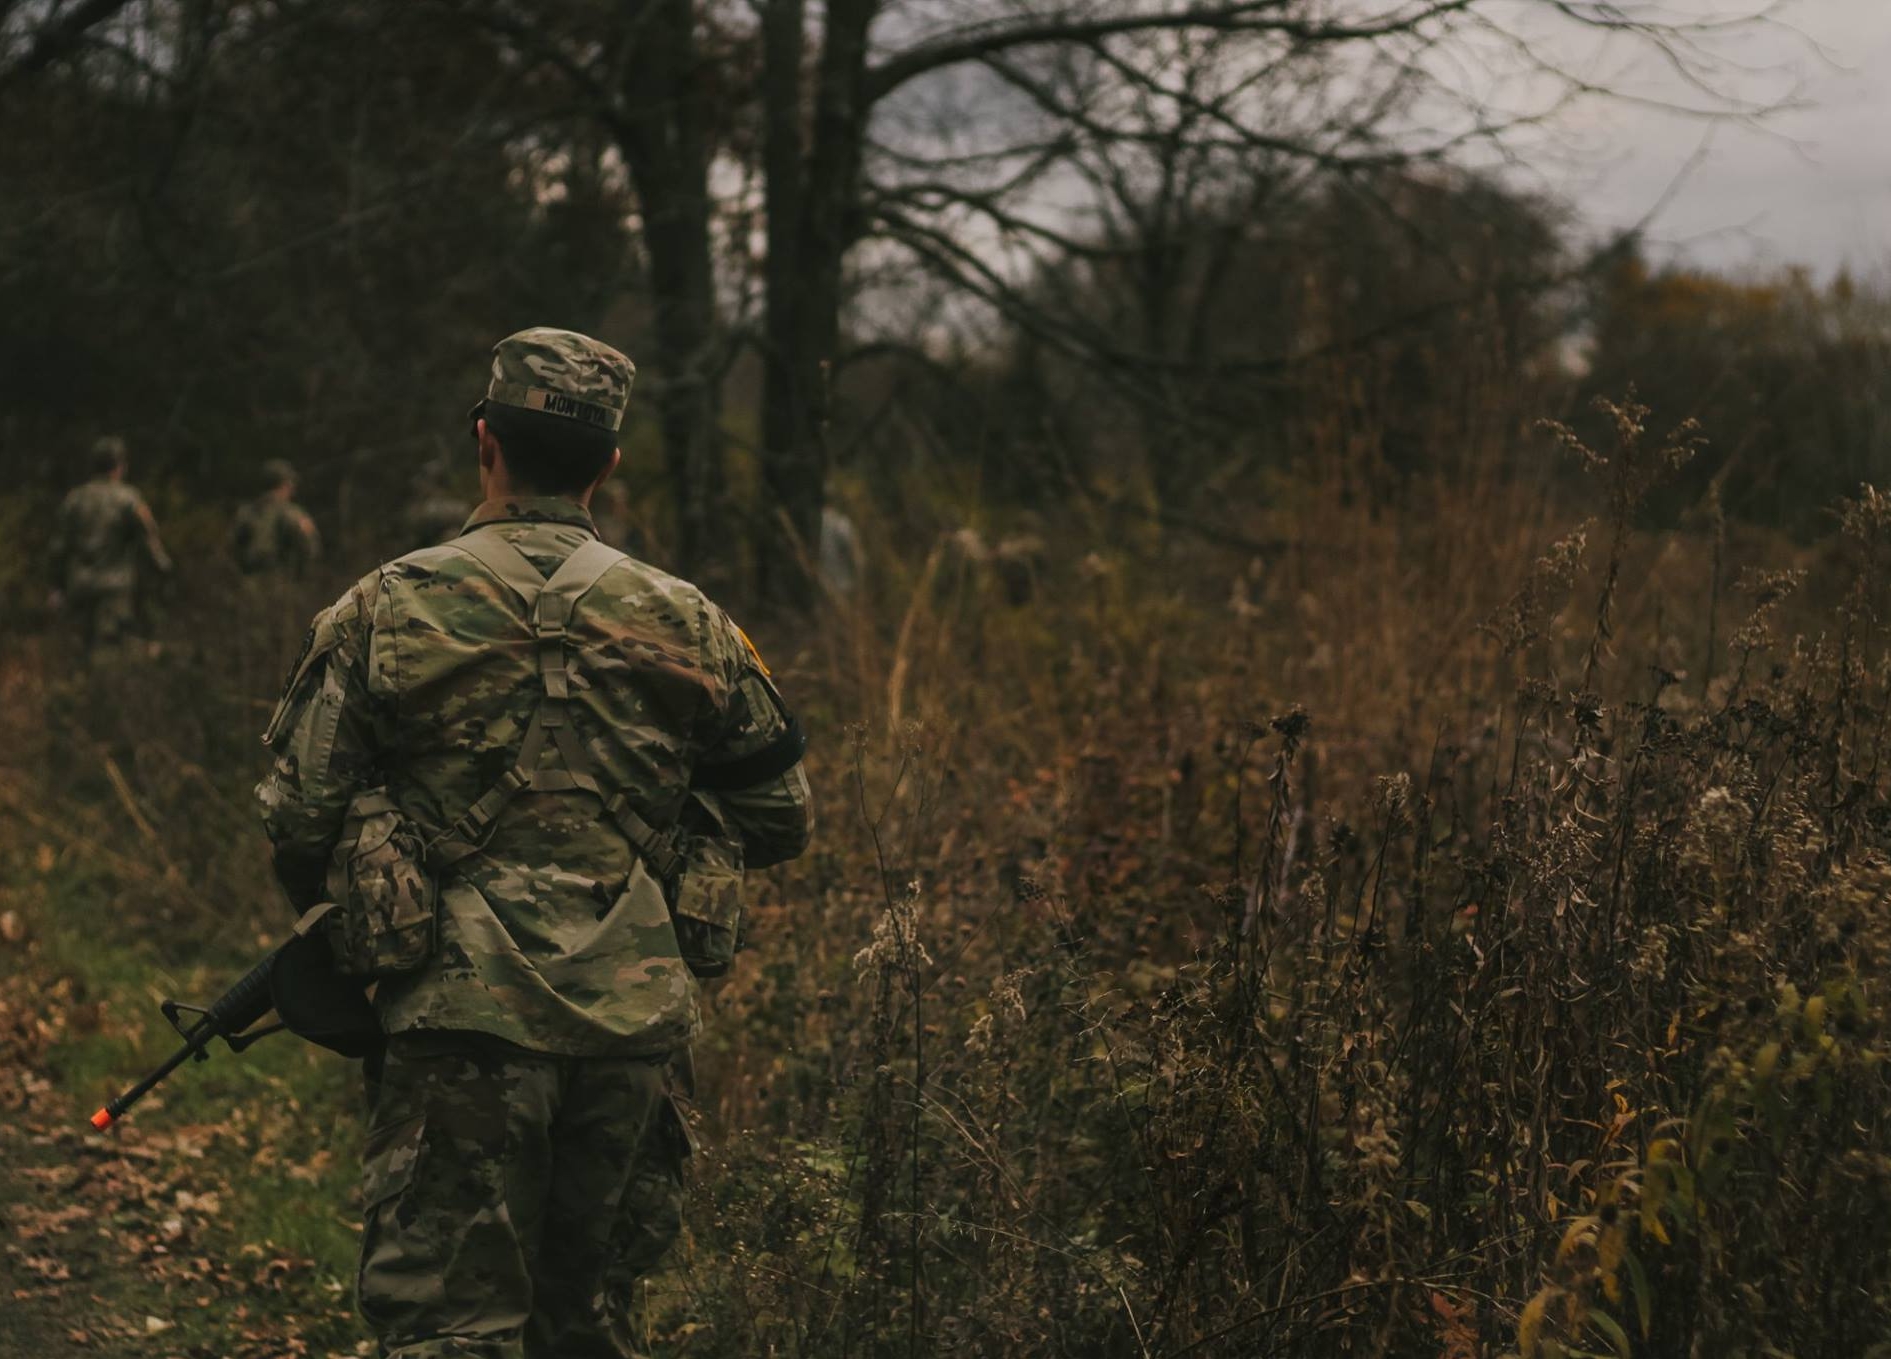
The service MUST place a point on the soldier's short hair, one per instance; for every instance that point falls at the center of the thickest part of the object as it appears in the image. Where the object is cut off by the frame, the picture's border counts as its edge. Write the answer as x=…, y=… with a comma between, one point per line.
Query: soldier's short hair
x=109, y=454
x=549, y=453
x=277, y=472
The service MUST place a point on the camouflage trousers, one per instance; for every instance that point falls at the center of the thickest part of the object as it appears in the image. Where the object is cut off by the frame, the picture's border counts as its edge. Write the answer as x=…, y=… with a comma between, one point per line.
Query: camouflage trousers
x=651, y=1218
x=509, y=1197
x=103, y=618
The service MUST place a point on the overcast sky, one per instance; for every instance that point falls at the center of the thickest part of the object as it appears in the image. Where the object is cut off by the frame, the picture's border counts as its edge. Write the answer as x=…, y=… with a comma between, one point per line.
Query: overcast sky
x=1813, y=189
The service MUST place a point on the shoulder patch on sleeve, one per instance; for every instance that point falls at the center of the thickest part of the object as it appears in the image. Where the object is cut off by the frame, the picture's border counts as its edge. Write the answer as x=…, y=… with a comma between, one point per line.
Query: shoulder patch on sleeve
x=754, y=655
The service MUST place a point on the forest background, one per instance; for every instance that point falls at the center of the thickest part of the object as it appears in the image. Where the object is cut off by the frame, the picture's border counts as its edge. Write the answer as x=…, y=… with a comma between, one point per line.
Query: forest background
x=1315, y=860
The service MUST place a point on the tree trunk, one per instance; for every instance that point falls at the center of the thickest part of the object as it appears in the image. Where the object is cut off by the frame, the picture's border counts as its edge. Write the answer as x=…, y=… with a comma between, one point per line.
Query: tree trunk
x=662, y=132
x=785, y=394
x=814, y=217
x=688, y=398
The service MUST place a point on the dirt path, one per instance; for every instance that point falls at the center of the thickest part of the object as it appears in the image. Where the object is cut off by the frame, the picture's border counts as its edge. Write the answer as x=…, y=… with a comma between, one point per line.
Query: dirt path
x=126, y=1243
x=68, y=1200
x=60, y=1276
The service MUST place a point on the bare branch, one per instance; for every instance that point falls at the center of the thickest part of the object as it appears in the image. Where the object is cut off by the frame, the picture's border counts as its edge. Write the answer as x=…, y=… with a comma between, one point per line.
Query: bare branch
x=982, y=42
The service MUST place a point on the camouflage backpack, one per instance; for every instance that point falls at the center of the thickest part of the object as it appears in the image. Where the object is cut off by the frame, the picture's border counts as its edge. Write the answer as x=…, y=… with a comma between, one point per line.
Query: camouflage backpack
x=385, y=869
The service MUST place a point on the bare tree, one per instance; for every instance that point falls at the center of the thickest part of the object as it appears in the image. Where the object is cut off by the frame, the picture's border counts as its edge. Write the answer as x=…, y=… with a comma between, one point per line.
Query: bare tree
x=975, y=141
x=1130, y=112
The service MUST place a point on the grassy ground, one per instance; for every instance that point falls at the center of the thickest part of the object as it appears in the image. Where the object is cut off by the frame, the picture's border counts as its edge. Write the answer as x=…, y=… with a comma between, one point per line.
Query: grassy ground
x=217, y=1219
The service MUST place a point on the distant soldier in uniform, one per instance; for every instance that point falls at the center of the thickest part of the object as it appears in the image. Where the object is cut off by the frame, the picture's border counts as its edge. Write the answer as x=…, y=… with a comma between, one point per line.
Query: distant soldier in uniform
x=841, y=562
x=435, y=514
x=274, y=542
x=617, y=524
x=1020, y=560
x=272, y=534
x=105, y=539
x=553, y=720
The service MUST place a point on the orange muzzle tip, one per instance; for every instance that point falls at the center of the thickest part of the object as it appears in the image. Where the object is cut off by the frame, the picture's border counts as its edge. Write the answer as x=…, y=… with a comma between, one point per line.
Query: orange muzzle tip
x=102, y=1119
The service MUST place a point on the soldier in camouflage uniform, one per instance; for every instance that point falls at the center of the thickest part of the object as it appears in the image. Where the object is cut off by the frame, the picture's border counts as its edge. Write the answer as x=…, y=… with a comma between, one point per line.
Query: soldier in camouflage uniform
x=104, y=540
x=272, y=535
x=521, y=1116
x=274, y=542
x=841, y=562
x=617, y=523
x=434, y=514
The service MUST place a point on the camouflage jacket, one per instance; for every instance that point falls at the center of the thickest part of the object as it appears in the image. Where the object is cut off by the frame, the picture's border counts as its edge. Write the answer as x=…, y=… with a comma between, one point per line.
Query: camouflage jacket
x=270, y=534
x=104, y=535
x=423, y=677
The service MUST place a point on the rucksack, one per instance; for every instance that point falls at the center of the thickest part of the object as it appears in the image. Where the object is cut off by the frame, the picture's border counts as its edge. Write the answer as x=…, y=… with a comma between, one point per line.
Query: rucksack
x=385, y=870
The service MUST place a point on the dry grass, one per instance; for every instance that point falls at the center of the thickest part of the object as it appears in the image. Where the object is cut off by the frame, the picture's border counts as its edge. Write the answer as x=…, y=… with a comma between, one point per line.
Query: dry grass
x=1462, y=933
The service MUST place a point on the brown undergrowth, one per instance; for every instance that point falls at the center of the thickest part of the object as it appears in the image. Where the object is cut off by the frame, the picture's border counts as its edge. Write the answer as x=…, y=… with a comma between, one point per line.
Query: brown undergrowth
x=1460, y=933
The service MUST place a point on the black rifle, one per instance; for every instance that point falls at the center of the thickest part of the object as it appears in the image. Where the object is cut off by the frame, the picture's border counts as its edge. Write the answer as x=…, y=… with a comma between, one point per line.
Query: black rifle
x=299, y=982
x=228, y=1017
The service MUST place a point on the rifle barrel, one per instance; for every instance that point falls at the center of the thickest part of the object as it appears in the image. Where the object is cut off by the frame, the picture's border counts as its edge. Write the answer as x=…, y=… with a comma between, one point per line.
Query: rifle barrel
x=228, y=1016
x=194, y=1042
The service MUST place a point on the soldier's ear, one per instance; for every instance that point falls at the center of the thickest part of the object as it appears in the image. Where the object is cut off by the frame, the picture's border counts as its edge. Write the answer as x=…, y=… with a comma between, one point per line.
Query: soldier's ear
x=488, y=446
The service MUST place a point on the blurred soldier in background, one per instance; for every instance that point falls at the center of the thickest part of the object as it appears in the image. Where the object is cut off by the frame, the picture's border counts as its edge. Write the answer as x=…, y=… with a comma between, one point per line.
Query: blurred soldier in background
x=840, y=561
x=617, y=525
x=274, y=542
x=1020, y=559
x=522, y=1145
x=435, y=514
x=105, y=540
x=272, y=534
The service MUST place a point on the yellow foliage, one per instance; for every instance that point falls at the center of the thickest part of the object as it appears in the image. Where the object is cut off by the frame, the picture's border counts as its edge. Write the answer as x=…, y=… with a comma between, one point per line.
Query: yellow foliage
x=1611, y=1246
x=1654, y=1194
x=1530, y=1324
x=1579, y=1234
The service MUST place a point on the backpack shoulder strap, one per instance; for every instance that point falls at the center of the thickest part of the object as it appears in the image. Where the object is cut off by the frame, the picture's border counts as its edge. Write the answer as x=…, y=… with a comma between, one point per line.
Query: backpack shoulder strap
x=549, y=604
x=574, y=578
x=553, y=607
x=490, y=549
x=570, y=583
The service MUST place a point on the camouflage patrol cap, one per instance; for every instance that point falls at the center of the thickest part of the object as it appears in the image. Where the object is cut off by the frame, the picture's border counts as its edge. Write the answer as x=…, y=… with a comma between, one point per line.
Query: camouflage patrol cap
x=560, y=372
x=278, y=472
